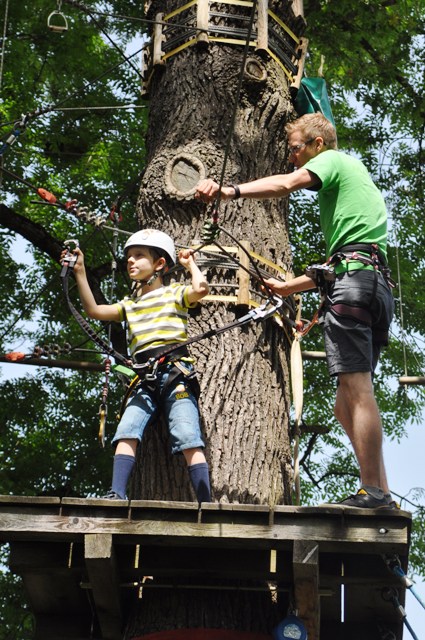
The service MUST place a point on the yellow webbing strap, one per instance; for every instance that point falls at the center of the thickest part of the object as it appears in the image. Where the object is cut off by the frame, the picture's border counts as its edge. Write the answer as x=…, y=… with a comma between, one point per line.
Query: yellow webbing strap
x=180, y=9
x=284, y=26
x=298, y=399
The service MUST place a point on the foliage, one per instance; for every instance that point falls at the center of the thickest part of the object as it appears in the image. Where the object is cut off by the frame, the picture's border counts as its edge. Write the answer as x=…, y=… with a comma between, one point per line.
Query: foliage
x=373, y=58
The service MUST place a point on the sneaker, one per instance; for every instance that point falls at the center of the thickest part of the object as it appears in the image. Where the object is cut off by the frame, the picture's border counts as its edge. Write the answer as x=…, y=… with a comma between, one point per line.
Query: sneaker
x=112, y=495
x=364, y=500
x=391, y=503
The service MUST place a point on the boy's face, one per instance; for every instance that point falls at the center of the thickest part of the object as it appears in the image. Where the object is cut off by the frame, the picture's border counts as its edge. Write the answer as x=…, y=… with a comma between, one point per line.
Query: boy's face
x=140, y=263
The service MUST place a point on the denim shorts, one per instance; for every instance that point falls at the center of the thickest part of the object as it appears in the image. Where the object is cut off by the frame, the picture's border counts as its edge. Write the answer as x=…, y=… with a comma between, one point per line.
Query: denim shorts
x=351, y=345
x=177, y=404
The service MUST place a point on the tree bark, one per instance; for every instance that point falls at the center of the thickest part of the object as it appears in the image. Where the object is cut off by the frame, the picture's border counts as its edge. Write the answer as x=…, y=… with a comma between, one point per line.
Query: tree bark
x=243, y=373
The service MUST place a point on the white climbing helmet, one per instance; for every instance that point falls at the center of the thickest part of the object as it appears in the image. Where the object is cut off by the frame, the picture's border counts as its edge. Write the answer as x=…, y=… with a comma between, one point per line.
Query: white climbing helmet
x=156, y=240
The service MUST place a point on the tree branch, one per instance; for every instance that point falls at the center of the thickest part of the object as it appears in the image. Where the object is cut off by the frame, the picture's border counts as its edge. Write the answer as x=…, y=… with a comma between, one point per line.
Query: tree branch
x=40, y=238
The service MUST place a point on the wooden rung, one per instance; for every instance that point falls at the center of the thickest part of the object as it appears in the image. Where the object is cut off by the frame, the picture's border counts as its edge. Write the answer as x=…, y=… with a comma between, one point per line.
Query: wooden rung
x=420, y=380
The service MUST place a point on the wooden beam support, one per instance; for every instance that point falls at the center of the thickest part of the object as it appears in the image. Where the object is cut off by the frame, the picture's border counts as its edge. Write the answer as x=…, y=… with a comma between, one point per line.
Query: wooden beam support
x=103, y=576
x=248, y=526
x=262, y=25
x=301, y=63
x=158, y=39
x=202, y=19
x=333, y=551
x=305, y=565
x=412, y=380
x=243, y=276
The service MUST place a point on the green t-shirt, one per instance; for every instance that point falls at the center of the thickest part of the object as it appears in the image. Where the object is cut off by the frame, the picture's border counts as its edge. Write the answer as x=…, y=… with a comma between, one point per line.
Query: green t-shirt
x=352, y=209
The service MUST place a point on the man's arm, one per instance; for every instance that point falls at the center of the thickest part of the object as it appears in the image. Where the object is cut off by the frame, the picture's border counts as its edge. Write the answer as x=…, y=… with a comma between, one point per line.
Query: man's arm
x=276, y=186
x=296, y=285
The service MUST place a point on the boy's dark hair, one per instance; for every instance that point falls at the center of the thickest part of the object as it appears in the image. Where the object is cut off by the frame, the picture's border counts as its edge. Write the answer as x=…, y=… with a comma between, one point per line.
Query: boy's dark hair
x=159, y=253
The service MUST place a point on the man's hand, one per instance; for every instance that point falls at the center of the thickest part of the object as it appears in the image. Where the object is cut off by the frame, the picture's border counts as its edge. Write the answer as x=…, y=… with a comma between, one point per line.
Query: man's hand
x=277, y=286
x=207, y=190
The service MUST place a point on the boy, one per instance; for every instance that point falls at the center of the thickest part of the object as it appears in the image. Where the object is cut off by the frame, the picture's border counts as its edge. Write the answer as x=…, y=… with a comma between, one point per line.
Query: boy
x=157, y=320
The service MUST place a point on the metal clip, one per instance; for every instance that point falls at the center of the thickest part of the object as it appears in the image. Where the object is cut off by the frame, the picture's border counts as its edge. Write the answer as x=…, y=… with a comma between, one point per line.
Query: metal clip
x=70, y=258
x=264, y=312
x=314, y=271
x=152, y=376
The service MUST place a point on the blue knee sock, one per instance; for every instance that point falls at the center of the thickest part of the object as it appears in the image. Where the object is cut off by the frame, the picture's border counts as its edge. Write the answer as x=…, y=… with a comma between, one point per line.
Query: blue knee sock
x=123, y=466
x=200, y=479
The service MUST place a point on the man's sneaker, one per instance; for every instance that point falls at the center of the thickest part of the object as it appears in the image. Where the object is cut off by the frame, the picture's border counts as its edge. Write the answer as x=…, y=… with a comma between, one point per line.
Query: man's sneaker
x=393, y=504
x=364, y=500
x=112, y=495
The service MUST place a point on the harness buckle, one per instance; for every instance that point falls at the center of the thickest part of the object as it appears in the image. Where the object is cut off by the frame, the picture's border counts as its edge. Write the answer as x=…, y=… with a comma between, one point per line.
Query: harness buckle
x=148, y=370
x=321, y=272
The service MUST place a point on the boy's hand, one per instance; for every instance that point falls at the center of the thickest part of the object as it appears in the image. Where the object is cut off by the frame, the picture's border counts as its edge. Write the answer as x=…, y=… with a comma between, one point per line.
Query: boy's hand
x=186, y=258
x=79, y=264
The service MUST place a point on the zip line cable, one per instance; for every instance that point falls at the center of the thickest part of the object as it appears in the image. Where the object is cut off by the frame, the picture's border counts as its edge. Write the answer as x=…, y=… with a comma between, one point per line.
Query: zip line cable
x=114, y=44
x=148, y=21
x=3, y=47
x=55, y=107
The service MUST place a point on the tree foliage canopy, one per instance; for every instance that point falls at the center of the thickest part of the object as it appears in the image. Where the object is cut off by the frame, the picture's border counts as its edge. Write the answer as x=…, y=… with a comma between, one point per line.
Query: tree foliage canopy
x=77, y=146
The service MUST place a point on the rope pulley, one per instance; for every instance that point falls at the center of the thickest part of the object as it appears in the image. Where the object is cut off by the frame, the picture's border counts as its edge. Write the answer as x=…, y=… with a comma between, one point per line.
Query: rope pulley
x=57, y=20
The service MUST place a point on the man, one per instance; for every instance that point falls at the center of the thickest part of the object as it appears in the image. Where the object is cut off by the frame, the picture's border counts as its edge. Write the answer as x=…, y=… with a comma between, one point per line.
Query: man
x=359, y=305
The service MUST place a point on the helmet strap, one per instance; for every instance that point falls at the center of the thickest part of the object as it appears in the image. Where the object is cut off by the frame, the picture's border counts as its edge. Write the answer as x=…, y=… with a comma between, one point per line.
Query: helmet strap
x=149, y=282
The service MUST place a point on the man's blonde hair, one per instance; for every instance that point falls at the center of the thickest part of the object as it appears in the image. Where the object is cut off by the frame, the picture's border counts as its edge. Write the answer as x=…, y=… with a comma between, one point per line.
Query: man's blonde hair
x=312, y=125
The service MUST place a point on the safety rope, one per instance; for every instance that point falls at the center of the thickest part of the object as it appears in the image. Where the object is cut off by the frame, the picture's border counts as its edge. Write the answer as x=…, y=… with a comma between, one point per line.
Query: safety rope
x=394, y=565
x=103, y=408
x=390, y=594
x=67, y=266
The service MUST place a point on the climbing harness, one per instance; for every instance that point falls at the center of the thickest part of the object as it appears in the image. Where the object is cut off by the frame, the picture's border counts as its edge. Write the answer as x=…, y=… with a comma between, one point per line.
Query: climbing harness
x=374, y=258
x=146, y=365
x=390, y=594
x=324, y=274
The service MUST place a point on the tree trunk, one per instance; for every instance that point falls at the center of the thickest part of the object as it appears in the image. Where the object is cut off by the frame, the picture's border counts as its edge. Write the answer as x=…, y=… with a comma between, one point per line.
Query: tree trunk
x=243, y=373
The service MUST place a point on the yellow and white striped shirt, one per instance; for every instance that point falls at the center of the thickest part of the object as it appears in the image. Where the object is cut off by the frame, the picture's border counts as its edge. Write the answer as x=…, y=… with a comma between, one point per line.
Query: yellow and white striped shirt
x=156, y=318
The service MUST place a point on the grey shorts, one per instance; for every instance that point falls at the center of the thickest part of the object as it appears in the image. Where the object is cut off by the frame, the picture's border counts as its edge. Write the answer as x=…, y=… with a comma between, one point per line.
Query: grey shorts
x=353, y=345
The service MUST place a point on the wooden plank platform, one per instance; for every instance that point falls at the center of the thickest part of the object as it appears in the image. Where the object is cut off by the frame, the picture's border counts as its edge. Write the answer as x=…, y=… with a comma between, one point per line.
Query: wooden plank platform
x=83, y=561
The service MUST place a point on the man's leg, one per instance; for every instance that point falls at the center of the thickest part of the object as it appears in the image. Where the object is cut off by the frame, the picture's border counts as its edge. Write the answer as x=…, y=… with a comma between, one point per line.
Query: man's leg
x=357, y=411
